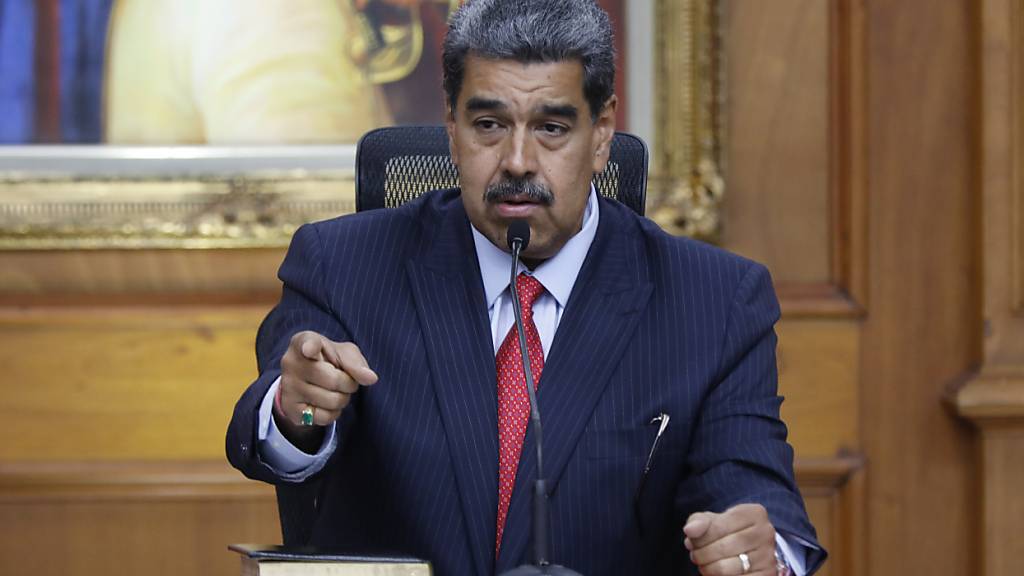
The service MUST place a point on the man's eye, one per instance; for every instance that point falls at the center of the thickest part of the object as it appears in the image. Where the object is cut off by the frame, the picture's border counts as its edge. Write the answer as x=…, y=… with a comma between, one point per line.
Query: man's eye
x=552, y=129
x=487, y=124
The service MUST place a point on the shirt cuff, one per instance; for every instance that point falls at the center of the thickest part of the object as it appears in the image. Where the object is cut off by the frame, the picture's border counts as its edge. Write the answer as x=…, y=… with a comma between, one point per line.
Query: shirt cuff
x=794, y=550
x=280, y=454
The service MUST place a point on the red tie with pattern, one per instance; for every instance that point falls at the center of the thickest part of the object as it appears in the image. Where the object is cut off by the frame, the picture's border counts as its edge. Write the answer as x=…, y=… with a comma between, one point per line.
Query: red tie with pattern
x=513, y=400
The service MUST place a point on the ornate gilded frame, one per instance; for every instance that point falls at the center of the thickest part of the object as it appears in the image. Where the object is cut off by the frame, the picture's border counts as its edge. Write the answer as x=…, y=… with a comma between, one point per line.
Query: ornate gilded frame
x=190, y=197
x=208, y=197
x=686, y=186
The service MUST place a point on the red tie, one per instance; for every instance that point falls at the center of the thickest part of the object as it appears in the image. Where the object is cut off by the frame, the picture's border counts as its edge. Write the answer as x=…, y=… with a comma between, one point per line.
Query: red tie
x=513, y=400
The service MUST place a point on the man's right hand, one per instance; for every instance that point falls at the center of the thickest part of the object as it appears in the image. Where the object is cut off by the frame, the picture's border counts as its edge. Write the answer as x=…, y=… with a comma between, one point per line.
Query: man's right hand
x=319, y=373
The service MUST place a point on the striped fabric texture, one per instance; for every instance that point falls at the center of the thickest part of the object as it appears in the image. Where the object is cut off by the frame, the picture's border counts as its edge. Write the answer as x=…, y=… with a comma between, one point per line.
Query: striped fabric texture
x=655, y=324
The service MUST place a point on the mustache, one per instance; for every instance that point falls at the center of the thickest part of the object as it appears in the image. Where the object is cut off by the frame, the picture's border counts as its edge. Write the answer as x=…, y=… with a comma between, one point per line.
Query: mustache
x=517, y=188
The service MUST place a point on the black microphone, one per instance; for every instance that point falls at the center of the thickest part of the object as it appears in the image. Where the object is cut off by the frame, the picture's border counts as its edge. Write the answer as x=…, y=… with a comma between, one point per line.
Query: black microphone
x=518, y=238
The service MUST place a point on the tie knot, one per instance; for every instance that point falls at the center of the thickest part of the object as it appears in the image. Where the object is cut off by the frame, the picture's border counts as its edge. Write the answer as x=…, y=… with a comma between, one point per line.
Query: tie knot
x=529, y=288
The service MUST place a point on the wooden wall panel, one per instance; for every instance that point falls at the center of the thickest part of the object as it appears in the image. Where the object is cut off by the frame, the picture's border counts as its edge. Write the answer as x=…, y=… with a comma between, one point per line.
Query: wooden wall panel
x=818, y=376
x=795, y=201
x=993, y=399
x=167, y=518
x=122, y=383
x=55, y=277
x=880, y=245
x=1004, y=27
x=831, y=488
x=1002, y=177
x=202, y=359
x=923, y=325
x=778, y=137
x=152, y=538
x=1003, y=507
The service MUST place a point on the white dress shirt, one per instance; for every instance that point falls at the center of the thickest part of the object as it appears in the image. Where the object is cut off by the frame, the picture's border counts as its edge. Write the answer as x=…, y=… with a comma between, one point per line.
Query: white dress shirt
x=557, y=275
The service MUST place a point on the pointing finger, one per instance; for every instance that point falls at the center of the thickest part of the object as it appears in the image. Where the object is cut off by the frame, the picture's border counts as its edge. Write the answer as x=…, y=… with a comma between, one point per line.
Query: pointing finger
x=348, y=358
x=310, y=346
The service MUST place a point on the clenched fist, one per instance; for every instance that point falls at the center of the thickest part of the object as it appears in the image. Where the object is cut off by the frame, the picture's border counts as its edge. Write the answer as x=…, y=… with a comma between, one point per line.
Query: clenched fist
x=716, y=541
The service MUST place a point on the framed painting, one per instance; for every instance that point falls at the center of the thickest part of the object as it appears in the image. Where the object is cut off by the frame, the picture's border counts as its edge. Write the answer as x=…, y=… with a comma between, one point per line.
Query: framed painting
x=228, y=123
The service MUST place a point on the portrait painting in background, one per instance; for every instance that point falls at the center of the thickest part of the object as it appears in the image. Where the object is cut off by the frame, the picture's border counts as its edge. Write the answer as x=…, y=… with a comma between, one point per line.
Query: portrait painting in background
x=225, y=72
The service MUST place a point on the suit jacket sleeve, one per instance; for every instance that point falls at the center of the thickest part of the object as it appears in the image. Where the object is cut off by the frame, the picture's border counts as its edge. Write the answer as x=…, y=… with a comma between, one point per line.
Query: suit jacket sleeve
x=739, y=452
x=304, y=305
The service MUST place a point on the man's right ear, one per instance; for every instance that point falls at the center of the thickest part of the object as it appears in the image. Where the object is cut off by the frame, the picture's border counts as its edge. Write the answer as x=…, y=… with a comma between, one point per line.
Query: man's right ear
x=449, y=126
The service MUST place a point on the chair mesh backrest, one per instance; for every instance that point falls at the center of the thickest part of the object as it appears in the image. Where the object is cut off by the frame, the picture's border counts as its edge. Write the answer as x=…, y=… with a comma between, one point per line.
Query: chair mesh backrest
x=397, y=164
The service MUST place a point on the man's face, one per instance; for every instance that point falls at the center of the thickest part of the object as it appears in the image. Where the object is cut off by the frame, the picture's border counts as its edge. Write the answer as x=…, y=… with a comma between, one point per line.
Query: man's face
x=527, y=148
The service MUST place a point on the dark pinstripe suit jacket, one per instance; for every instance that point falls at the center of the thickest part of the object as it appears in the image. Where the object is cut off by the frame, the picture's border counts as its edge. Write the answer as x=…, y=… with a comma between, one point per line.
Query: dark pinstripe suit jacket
x=655, y=324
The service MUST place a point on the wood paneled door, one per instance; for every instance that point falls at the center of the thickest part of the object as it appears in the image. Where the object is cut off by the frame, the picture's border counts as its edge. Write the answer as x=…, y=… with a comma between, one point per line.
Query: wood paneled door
x=852, y=172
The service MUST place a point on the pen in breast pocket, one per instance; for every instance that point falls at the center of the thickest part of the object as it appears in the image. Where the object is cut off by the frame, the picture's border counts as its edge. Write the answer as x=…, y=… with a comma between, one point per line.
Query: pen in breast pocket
x=662, y=419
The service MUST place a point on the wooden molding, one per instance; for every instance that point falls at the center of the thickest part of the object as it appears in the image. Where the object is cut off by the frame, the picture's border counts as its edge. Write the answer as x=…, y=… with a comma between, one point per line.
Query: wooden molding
x=827, y=474
x=1016, y=150
x=996, y=394
x=143, y=276
x=817, y=301
x=835, y=488
x=159, y=481
x=1002, y=135
x=992, y=399
x=847, y=155
x=206, y=479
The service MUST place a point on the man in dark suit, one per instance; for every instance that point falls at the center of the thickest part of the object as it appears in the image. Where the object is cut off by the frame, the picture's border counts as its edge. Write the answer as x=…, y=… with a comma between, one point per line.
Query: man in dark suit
x=390, y=372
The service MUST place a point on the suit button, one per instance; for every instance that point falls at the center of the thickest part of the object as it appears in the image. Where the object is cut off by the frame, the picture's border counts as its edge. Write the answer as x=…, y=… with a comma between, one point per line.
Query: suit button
x=243, y=447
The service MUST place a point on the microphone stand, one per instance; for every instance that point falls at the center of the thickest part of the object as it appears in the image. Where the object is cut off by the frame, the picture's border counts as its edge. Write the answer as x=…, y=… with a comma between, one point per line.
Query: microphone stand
x=518, y=239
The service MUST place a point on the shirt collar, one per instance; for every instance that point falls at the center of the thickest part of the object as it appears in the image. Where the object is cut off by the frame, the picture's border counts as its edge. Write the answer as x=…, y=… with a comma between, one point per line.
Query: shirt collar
x=557, y=274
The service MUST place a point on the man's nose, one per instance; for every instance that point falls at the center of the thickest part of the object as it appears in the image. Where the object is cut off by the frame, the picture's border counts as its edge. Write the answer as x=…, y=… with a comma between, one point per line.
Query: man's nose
x=520, y=157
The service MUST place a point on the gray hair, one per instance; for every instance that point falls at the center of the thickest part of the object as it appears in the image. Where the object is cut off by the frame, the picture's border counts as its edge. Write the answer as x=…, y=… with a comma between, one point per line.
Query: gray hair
x=532, y=31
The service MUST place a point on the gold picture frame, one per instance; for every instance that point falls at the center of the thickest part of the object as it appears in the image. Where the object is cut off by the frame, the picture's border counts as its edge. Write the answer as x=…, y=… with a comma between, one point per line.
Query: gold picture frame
x=105, y=197
x=182, y=197
x=686, y=186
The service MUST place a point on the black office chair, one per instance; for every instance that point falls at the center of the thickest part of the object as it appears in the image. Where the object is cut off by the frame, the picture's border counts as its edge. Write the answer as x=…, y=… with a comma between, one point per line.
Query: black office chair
x=397, y=164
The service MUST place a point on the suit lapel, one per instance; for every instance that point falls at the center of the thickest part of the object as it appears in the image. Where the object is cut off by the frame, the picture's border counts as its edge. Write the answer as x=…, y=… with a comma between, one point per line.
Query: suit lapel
x=450, y=302
x=610, y=292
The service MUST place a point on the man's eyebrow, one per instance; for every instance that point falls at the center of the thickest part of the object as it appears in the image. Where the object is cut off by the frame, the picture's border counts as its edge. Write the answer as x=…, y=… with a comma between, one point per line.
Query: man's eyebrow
x=563, y=110
x=476, y=104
